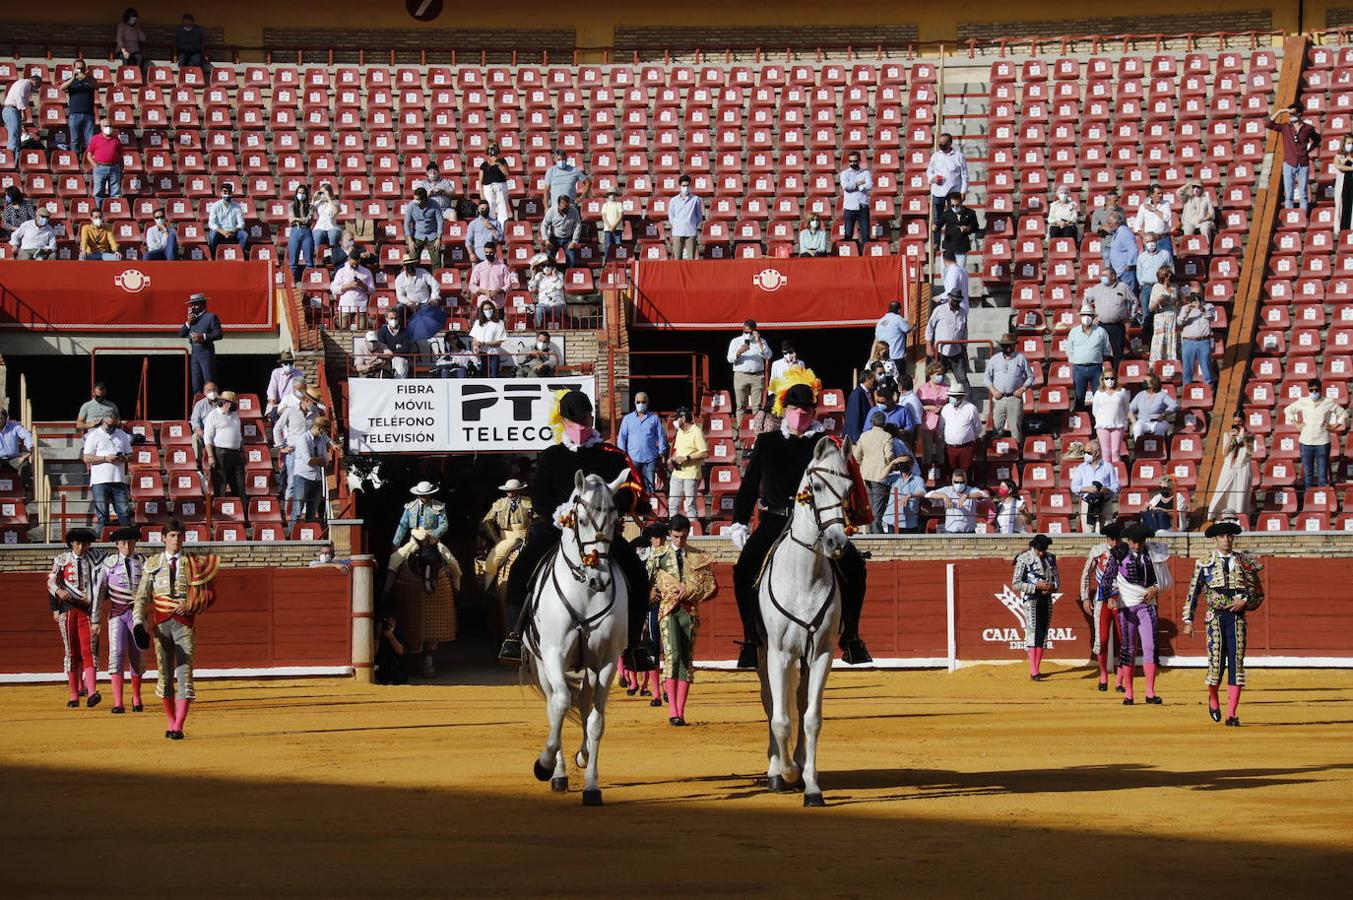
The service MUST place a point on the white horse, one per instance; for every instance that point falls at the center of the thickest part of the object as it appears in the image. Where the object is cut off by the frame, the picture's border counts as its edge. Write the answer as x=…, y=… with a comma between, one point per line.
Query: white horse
x=801, y=608
x=577, y=628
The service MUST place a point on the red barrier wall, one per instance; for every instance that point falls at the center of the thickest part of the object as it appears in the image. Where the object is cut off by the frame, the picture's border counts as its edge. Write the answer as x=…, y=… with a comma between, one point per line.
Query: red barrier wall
x=263, y=618
x=133, y=295
x=1305, y=614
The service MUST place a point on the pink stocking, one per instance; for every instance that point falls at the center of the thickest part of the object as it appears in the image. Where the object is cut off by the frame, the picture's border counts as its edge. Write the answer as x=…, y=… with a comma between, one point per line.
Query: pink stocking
x=1232, y=700
x=672, y=706
x=1150, y=669
x=73, y=679
x=136, y=690
x=91, y=680
x=1038, y=658
x=1125, y=677
x=117, y=689
x=1213, y=701
x=1033, y=661
x=682, y=689
x=181, y=713
x=168, y=704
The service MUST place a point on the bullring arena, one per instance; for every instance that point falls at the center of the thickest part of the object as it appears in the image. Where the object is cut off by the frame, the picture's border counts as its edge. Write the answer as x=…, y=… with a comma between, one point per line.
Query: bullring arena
x=989, y=362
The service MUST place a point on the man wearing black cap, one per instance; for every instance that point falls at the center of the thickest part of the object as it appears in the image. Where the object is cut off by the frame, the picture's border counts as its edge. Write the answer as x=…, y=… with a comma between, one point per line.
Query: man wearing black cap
x=778, y=461
x=1035, y=579
x=1101, y=612
x=115, y=579
x=70, y=590
x=203, y=330
x=581, y=449
x=1228, y=583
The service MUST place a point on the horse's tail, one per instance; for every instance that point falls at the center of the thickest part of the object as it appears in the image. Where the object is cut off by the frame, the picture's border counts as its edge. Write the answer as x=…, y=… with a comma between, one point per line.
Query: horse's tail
x=580, y=687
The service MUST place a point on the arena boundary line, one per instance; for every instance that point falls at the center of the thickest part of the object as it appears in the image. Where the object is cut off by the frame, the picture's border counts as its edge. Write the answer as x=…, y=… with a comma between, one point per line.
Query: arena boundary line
x=273, y=672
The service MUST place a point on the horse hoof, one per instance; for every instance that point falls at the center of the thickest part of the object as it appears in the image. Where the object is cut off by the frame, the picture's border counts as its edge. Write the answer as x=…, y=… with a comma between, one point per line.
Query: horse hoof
x=581, y=759
x=592, y=797
x=559, y=785
x=813, y=800
x=542, y=773
x=776, y=784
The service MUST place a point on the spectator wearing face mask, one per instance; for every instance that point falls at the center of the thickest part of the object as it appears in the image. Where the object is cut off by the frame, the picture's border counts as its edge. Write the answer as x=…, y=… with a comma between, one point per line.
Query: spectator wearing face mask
x=689, y=452
x=1154, y=216
x=934, y=396
x=1113, y=302
x=414, y=286
x=685, y=212
x=1119, y=251
x=960, y=503
x=546, y=285
x=1152, y=411
x=222, y=438
x=1099, y=219
x=856, y=185
x=892, y=329
x=1012, y=514
x=395, y=345
x=106, y=451
x=81, y=90
x=104, y=158
x=493, y=176
x=958, y=226
x=1095, y=482
x=440, y=191
x=901, y=418
x=542, y=360
x=326, y=231
x=225, y=222
x=946, y=173
x=612, y=225
x=345, y=249
x=17, y=209
x=300, y=234
x=352, y=286
x=1063, y=215
x=1162, y=318
x=129, y=40
x=489, y=279
x=190, y=44
x=562, y=229
x=1087, y=346
x=789, y=359
x=644, y=438
x=201, y=409
x=1109, y=405
x=162, y=241
x=1195, y=339
x=749, y=354
x=946, y=333
x=488, y=335
x=1009, y=380
x=812, y=239
x=962, y=425
x=367, y=360
x=563, y=179
x=1154, y=258
x=35, y=238
x=877, y=458
x=1199, y=216
x=202, y=328
x=96, y=239
x=423, y=227
x=1317, y=415
x=483, y=230
x=281, y=381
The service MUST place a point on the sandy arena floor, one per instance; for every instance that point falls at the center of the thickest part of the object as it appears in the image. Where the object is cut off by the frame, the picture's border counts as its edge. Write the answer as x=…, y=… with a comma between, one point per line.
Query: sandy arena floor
x=978, y=782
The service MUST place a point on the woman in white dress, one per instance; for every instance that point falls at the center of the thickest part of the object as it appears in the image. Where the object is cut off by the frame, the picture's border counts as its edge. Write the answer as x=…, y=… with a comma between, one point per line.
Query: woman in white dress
x=1012, y=514
x=1164, y=307
x=488, y=335
x=1232, y=494
x=1109, y=406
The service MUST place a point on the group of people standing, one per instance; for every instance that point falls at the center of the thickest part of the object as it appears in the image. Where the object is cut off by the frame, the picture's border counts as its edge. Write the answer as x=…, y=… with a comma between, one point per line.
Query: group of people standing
x=1121, y=587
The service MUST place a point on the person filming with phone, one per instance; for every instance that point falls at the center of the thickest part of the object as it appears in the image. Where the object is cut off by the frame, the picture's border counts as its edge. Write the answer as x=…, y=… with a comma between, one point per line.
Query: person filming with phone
x=106, y=451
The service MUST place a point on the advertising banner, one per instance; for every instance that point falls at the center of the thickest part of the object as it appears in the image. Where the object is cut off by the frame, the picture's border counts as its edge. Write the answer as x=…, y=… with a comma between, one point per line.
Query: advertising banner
x=455, y=415
x=832, y=291
x=132, y=295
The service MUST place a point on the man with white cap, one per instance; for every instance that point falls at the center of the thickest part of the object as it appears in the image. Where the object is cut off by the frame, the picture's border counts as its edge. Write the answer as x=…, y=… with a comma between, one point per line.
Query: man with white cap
x=367, y=360
x=505, y=525
x=546, y=286
x=422, y=512
x=280, y=381
x=222, y=438
x=962, y=424
x=414, y=285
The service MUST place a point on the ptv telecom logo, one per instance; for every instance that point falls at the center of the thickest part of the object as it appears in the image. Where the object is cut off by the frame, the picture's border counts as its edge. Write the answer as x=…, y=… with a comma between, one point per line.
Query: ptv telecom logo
x=1014, y=637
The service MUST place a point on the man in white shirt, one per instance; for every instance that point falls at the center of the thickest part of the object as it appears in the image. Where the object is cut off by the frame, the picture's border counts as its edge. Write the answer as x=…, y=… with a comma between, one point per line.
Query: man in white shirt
x=961, y=423
x=789, y=359
x=1154, y=216
x=161, y=239
x=856, y=183
x=292, y=420
x=352, y=286
x=415, y=286
x=35, y=239
x=947, y=172
x=1095, y=482
x=945, y=333
x=960, y=503
x=106, y=451
x=685, y=212
x=748, y=354
x=17, y=100
x=955, y=281
x=222, y=438
x=1317, y=415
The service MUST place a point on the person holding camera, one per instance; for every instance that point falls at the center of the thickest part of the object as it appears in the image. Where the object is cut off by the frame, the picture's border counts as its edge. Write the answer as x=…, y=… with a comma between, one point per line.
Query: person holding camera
x=388, y=666
x=1300, y=141
x=1095, y=482
x=1195, y=338
x=203, y=330
x=106, y=451
x=749, y=354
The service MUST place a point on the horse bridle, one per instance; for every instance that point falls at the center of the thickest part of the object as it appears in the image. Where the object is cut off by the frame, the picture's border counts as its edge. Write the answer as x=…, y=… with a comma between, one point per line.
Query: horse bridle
x=808, y=497
x=578, y=569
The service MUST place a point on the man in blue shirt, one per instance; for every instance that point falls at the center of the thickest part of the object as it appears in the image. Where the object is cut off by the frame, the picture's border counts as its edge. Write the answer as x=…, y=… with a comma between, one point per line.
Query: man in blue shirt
x=643, y=437
x=561, y=180
x=859, y=404
x=225, y=222
x=900, y=417
x=423, y=228
x=907, y=489
x=892, y=329
x=1087, y=346
x=482, y=230
x=685, y=212
x=1120, y=251
x=16, y=447
x=1095, y=482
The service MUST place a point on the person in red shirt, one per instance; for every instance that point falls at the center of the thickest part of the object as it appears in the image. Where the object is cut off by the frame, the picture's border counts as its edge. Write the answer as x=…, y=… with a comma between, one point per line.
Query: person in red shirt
x=1300, y=139
x=105, y=158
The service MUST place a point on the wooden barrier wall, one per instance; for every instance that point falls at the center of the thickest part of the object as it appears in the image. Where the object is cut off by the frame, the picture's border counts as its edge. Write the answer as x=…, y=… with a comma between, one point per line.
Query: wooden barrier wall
x=266, y=618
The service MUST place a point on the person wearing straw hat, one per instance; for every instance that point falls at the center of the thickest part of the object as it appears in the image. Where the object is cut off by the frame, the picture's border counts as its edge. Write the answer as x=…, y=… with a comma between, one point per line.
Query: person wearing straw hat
x=1009, y=380
x=71, y=593
x=414, y=285
x=222, y=440
x=1198, y=215
x=546, y=285
x=310, y=458
x=421, y=580
x=1228, y=584
x=281, y=381
x=422, y=512
x=202, y=329
x=116, y=578
x=505, y=525
x=1035, y=579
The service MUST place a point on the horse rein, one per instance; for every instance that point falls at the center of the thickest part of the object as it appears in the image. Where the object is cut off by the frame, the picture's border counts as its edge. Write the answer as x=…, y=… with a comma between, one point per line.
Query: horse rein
x=808, y=497
x=577, y=569
x=584, y=625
